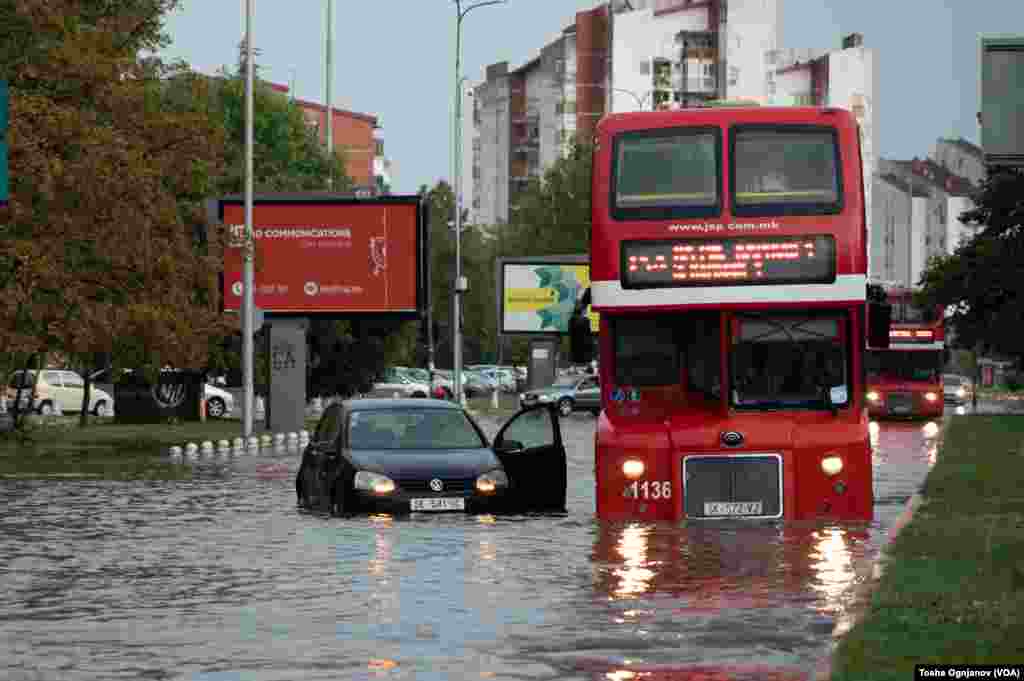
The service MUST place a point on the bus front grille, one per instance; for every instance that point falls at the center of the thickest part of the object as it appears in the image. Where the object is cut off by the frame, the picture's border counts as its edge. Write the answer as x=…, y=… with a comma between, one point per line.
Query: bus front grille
x=900, y=403
x=730, y=486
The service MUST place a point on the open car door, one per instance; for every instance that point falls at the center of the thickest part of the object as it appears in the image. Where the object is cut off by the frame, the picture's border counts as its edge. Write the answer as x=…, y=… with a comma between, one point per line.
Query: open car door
x=530, y=448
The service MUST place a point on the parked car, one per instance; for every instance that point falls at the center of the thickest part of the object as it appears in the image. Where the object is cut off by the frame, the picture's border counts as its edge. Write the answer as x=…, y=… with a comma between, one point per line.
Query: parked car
x=955, y=388
x=568, y=394
x=58, y=388
x=397, y=381
x=429, y=455
x=219, y=402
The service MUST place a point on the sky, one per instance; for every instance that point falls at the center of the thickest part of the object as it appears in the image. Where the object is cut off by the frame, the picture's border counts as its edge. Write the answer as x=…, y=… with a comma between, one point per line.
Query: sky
x=396, y=59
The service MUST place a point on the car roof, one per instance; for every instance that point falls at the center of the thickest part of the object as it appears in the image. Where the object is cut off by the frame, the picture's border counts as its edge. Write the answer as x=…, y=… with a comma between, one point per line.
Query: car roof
x=399, y=404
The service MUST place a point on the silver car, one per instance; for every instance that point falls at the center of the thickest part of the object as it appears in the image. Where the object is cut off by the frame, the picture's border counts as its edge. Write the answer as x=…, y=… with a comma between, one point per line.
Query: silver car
x=569, y=394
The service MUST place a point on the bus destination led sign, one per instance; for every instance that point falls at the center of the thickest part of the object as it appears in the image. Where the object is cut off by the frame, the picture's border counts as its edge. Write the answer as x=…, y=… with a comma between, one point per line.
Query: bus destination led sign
x=729, y=262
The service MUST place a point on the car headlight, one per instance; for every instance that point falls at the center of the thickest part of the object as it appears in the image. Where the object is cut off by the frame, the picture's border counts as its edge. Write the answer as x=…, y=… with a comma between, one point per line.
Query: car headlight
x=873, y=396
x=931, y=397
x=374, y=482
x=960, y=392
x=545, y=398
x=832, y=465
x=633, y=468
x=489, y=482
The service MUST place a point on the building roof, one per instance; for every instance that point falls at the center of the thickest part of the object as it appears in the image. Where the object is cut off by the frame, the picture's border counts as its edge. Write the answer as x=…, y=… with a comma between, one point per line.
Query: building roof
x=937, y=176
x=902, y=184
x=315, y=106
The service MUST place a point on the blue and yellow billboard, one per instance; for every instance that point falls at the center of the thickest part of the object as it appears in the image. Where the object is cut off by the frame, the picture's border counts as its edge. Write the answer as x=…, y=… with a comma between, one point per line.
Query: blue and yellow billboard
x=539, y=297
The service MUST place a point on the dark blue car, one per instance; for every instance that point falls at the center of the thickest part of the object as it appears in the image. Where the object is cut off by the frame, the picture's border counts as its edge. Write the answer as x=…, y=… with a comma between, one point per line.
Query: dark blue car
x=427, y=455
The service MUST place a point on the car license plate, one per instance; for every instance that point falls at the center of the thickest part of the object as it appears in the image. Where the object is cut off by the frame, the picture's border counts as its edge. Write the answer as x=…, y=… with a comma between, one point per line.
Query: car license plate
x=727, y=508
x=439, y=504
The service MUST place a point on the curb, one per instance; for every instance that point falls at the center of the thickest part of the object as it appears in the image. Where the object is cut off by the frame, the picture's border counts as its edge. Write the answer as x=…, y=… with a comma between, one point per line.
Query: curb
x=864, y=592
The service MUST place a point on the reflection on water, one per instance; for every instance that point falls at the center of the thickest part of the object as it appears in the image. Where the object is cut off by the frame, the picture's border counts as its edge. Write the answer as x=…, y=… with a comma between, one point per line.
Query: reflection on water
x=635, y=575
x=210, y=572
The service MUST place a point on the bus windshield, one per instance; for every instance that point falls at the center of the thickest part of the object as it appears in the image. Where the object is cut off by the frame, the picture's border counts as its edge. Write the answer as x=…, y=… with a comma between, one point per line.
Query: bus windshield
x=776, y=169
x=907, y=365
x=782, y=361
x=670, y=172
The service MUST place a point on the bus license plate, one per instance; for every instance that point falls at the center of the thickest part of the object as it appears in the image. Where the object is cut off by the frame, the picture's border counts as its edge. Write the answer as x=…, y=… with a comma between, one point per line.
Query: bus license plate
x=441, y=504
x=727, y=508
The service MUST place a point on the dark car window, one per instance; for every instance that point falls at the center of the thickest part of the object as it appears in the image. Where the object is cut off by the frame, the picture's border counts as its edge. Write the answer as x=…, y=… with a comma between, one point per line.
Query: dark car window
x=413, y=429
x=532, y=428
x=18, y=379
x=330, y=425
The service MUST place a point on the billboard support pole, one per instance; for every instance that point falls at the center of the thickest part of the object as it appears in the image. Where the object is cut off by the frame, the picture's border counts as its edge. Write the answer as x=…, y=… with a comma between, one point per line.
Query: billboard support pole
x=248, y=274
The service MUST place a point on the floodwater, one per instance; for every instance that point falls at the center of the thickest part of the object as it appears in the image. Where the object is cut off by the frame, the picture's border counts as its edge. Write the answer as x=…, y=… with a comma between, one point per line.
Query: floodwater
x=207, y=571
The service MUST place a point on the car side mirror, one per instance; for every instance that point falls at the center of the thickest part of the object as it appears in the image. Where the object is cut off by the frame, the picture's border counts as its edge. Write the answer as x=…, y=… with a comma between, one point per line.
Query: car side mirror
x=509, y=447
x=879, y=318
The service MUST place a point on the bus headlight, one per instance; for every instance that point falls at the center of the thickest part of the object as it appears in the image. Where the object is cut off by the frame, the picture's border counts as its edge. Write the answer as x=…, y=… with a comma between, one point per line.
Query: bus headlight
x=633, y=468
x=873, y=396
x=374, y=482
x=832, y=465
x=931, y=397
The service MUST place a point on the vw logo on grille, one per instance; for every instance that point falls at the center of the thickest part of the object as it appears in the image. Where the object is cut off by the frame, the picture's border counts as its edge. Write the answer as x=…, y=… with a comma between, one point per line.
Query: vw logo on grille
x=731, y=438
x=436, y=485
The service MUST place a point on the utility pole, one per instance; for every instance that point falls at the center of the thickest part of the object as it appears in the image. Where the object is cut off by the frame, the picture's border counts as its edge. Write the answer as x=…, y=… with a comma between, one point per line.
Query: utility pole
x=248, y=275
x=328, y=103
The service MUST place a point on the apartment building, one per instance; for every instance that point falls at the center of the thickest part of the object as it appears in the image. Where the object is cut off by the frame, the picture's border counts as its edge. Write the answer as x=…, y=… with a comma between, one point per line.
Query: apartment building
x=910, y=230
x=680, y=53
x=524, y=117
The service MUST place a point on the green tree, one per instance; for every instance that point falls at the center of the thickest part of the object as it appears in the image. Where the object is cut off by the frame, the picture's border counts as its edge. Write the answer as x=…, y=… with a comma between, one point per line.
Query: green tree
x=981, y=281
x=552, y=216
x=287, y=156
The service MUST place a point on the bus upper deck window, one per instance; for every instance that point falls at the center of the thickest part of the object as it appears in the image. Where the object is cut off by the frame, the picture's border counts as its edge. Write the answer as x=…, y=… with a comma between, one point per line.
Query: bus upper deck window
x=785, y=170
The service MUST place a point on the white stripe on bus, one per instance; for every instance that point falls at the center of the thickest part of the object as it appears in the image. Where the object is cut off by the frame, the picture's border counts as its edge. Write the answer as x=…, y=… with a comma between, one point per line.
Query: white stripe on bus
x=847, y=287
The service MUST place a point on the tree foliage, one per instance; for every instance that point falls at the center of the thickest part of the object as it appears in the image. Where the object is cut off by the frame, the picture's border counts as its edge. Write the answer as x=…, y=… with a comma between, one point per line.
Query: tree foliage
x=981, y=281
x=99, y=251
x=553, y=214
x=287, y=156
x=552, y=217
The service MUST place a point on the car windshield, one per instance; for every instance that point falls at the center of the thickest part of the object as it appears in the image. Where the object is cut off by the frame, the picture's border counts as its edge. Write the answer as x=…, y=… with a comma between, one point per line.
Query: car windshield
x=564, y=383
x=907, y=365
x=412, y=429
x=789, y=361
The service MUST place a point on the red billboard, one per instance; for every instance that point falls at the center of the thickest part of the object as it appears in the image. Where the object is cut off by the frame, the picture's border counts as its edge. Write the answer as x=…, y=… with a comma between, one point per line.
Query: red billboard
x=321, y=255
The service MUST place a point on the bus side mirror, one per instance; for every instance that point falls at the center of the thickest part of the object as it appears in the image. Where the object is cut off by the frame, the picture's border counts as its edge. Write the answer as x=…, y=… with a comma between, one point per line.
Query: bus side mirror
x=581, y=345
x=879, y=318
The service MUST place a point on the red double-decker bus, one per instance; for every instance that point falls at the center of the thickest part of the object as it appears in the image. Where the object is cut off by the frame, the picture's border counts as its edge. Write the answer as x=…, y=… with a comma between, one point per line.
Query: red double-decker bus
x=905, y=379
x=729, y=267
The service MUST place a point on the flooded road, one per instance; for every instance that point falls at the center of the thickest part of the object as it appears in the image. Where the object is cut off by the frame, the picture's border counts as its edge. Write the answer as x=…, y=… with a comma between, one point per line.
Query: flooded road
x=217, y=576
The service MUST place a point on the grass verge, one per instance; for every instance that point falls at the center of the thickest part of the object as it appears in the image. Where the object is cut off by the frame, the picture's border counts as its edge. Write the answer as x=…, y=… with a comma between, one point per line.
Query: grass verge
x=63, y=432
x=953, y=589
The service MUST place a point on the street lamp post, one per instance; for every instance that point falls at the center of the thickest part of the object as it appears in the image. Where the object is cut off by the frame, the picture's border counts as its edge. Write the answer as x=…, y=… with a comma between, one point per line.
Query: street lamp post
x=460, y=282
x=248, y=275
